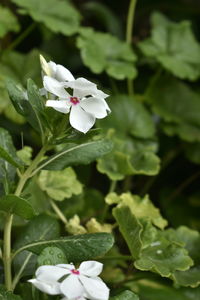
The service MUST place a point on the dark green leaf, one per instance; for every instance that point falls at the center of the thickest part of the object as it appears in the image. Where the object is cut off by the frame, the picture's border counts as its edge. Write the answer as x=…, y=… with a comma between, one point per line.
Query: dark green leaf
x=126, y=295
x=8, y=21
x=5, y=295
x=52, y=256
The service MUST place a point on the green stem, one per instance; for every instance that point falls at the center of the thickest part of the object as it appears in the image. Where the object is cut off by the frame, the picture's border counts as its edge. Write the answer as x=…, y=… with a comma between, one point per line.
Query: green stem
x=22, y=36
x=58, y=212
x=129, y=34
x=9, y=219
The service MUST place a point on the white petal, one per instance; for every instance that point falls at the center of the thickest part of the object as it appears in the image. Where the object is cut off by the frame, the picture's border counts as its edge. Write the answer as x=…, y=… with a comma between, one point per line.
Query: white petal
x=81, y=120
x=49, y=288
x=66, y=266
x=95, y=288
x=63, y=74
x=50, y=274
x=62, y=106
x=71, y=287
x=82, y=87
x=55, y=87
x=100, y=94
x=95, y=106
x=52, y=68
x=45, y=66
x=91, y=268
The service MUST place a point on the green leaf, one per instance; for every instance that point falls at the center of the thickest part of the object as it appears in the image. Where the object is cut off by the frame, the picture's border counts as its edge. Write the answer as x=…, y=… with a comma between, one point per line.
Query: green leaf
x=77, y=247
x=179, y=107
x=174, y=46
x=5, y=295
x=129, y=116
x=192, y=152
x=74, y=154
x=125, y=295
x=52, y=256
x=60, y=184
x=130, y=228
x=17, y=205
x=39, y=228
x=129, y=156
x=7, y=149
x=25, y=154
x=104, y=52
x=8, y=21
x=57, y=15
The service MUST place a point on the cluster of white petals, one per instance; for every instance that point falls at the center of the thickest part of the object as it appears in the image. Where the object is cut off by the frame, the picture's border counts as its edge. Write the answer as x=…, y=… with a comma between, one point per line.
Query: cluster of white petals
x=85, y=104
x=73, y=284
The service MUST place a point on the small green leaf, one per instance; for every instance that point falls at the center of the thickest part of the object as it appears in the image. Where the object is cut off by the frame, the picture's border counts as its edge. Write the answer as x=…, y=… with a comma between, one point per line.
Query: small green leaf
x=16, y=205
x=7, y=149
x=25, y=154
x=60, y=184
x=5, y=295
x=76, y=248
x=8, y=21
x=125, y=295
x=58, y=15
x=77, y=154
x=174, y=46
x=104, y=52
x=52, y=256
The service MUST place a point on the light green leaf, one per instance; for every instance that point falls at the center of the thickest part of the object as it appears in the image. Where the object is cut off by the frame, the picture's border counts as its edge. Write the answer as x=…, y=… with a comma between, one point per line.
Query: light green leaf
x=129, y=116
x=25, y=154
x=125, y=295
x=104, y=52
x=174, y=46
x=39, y=228
x=57, y=15
x=16, y=205
x=77, y=247
x=8, y=21
x=5, y=295
x=52, y=256
x=60, y=184
x=74, y=154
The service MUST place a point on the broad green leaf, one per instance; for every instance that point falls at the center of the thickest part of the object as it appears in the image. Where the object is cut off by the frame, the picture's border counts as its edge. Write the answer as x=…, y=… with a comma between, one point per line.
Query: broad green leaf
x=129, y=156
x=174, y=46
x=125, y=295
x=25, y=154
x=52, y=256
x=77, y=247
x=130, y=228
x=104, y=52
x=74, y=154
x=5, y=295
x=17, y=205
x=60, y=184
x=178, y=105
x=39, y=228
x=129, y=116
x=57, y=15
x=8, y=21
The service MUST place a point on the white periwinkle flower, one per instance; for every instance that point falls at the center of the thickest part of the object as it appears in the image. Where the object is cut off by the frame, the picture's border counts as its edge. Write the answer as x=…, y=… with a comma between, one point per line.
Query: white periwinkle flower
x=85, y=104
x=74, y=284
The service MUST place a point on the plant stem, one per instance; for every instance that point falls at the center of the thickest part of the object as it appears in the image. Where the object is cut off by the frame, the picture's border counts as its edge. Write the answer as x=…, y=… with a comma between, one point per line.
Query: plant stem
x=59, y=212
x=9, y=219
x=129, y=34
x=21, y=37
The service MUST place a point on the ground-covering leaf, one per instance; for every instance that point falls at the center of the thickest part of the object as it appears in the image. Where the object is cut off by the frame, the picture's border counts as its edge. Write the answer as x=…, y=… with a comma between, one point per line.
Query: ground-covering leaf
x=8, y=21
x=174, y=46
x=51, y=256
x=17, y=205
x=125, y=295
x=74, y=154
x=77, y=247
x=178, y=105
x=60, y=184
x=5, y=295
x=129, y=156
x=39, y=228
x=104, y=52
x=58, y=15
x=129, y=116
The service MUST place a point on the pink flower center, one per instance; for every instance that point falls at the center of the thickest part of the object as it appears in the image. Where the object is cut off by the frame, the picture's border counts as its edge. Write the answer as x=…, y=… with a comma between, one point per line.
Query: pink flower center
x=75, y=272
x=74, y=100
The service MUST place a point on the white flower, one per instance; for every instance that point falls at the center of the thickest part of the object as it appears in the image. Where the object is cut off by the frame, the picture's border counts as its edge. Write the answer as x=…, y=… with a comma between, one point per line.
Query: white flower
x=74, y=284
x=85, y=104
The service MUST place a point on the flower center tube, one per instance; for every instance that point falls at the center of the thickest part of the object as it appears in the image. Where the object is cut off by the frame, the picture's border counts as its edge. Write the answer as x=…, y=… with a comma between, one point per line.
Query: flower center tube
x=74, y=100
x=75, y=272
